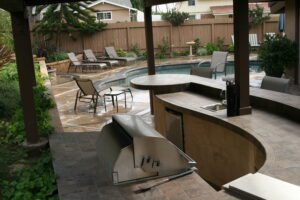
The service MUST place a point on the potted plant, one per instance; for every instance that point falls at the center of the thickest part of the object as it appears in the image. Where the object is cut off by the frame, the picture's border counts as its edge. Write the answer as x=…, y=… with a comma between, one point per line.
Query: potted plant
x=277, y=53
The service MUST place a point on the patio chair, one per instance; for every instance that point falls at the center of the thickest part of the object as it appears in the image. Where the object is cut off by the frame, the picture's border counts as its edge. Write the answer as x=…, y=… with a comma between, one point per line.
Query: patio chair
x=206, y=72
x=87, y=93
x=112, y=54
x=275, y=84
x=218, y=62
x=253, y=41
x=93, y=59
x=77, y=64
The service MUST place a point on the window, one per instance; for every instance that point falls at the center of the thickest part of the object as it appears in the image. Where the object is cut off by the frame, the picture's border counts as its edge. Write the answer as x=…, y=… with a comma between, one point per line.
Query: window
x=192, y=17
x=106, y=15
x=192, y=2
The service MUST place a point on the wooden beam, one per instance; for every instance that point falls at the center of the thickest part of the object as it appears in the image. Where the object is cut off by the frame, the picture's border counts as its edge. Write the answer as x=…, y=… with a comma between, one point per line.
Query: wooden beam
x=25, y=66
x=12, y=5
x=241, y=54
x=45, y=2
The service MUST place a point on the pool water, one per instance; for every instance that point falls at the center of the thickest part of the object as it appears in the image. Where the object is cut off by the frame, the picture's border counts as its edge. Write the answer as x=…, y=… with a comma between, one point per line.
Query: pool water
x=186, y=69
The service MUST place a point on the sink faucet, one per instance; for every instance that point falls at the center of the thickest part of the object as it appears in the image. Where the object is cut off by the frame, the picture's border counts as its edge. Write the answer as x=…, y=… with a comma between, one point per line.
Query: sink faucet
x=223, y=96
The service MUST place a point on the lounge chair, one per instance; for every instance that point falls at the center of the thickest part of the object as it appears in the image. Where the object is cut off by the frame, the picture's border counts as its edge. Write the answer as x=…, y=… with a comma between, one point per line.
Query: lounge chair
x=93, y=59
x=271, y=34
x=275, y=84
x=206, y=72
x=77, y=64
x=218, y=62
x=87, y=93
x=253, y=41
x=112, y=54
x=232, y=39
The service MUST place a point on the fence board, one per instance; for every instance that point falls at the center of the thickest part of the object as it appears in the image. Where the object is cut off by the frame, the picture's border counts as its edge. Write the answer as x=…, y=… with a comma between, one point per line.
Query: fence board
x=125, y=35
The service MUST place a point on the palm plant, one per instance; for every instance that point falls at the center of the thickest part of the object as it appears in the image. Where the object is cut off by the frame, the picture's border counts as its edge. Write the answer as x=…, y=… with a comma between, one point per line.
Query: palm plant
x=5, y=56
x=66, y=18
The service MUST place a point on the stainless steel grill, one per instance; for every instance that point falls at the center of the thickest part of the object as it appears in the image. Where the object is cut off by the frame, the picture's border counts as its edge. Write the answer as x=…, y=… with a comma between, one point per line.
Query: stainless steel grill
x=130, y=150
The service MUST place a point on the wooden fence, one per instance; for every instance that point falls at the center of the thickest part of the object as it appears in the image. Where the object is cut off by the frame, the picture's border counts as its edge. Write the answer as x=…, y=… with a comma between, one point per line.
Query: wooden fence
x=125, y=35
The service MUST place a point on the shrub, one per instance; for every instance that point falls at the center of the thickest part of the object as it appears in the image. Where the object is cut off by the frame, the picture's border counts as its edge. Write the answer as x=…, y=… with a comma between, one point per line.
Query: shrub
x=15, y=129
x=163, y=49
x=145, y=55
x=9, y=73
x=54, y=57
x=121, y=53
x=277, y=53
x=135, y=48
x=9, y=99
x=231, y=48
x=211, y=47
x=131, y=54
x=175, y=18
x=36, y=180
x=202, y=52
x=196, y=46
x=181, y=53
x=220, y=43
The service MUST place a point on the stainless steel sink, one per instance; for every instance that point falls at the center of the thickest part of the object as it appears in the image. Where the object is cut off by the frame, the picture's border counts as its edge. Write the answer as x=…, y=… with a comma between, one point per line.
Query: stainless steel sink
x=215, y=107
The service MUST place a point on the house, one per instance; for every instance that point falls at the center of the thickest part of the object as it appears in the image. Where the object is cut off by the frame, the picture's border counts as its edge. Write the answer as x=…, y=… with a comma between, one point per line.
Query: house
x=112, y=11
x=199, y=9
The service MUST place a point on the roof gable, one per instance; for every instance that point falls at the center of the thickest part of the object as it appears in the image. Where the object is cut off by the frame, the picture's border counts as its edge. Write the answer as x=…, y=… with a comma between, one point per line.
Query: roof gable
x=121, y=3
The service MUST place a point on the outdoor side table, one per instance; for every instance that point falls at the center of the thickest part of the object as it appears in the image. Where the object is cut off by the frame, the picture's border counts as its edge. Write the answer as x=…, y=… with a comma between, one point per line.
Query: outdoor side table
x=114, y=95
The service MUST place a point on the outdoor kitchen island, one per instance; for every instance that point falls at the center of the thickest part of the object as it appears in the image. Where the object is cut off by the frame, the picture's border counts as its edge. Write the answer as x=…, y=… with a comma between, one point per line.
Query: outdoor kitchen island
x=266, y=141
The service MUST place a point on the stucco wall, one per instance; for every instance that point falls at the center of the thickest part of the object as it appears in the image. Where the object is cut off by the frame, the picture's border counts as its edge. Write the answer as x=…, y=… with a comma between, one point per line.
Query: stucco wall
x=202, y=6
x=119, y=14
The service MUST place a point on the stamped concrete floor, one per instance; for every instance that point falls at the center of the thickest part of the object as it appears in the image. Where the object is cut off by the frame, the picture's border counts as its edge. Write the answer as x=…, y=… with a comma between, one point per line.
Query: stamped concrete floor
x=75, y=155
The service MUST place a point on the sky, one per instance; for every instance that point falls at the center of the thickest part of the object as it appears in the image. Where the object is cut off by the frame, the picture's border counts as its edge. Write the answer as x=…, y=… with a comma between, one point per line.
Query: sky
x=163, y=7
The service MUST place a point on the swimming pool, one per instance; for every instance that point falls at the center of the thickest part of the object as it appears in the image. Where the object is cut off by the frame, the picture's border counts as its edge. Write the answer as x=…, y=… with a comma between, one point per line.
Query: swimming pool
x=185, y=68
x=182, y=68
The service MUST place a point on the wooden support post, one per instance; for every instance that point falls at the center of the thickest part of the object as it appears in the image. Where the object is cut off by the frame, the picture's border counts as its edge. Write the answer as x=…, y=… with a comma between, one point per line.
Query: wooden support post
x=26, y=73
x=150, y=48
x=149, y=40
x=297, y=77
x=241, y=54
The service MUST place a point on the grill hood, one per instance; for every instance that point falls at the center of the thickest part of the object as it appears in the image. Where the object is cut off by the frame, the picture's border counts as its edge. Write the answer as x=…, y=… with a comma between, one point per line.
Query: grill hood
x=130, y=150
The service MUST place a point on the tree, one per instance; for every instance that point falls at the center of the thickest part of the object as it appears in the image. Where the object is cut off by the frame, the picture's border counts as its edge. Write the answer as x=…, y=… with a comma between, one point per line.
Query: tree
x=138, y=4
x=67, y=18
x=257, y=16
x=175, y=18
